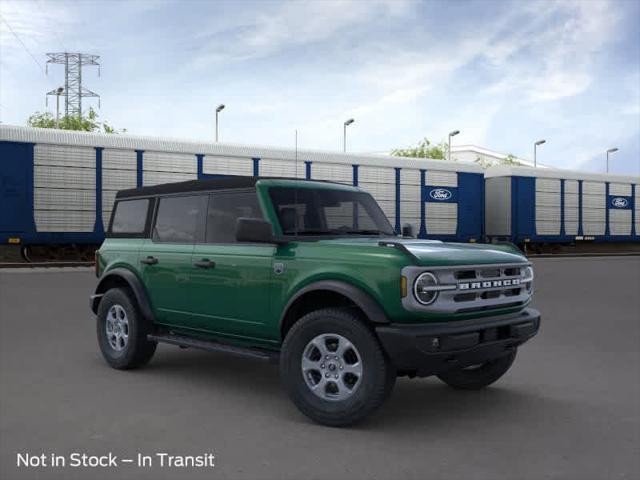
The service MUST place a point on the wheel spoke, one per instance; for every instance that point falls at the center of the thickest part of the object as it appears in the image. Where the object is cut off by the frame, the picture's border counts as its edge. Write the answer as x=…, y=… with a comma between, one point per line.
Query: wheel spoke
x=355, y=369
x=320, y=386
x=321, y=345
x=308, y=364
x=343, y=346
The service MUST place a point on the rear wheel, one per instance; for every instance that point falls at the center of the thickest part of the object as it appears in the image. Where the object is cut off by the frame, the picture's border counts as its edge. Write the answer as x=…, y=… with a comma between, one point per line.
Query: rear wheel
x=479, y=376
x=334, y=368
x=122, y=331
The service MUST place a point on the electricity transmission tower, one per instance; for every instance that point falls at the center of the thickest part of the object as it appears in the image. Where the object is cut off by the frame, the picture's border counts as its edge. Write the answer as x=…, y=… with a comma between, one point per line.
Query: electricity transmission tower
x=73, y=91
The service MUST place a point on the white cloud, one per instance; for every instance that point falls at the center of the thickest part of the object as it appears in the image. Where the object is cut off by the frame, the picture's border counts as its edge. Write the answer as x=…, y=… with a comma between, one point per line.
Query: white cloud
x=290, y=24
x=561, y=44
x=403, y=69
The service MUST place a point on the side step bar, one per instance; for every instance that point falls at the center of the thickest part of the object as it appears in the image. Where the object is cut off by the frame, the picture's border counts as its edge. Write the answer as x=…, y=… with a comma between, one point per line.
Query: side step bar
x=213, y=346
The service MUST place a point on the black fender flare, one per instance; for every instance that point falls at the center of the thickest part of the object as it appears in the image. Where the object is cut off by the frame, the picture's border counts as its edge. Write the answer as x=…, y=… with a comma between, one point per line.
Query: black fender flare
x=363, y=300
x=134, y=283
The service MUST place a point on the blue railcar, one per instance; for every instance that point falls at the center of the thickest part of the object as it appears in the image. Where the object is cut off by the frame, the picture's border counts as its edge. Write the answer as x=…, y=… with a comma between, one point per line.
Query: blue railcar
x=544, y=205
x=58, y=187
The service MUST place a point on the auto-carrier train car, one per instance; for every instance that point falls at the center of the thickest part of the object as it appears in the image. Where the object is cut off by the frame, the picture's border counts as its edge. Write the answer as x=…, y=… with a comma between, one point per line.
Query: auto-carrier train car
x=544, y=205
x=58, y=187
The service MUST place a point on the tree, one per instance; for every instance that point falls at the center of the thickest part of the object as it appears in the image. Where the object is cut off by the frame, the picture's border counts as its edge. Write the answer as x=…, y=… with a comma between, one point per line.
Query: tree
x=424, y=149
x=88, y=123
x=508, y=160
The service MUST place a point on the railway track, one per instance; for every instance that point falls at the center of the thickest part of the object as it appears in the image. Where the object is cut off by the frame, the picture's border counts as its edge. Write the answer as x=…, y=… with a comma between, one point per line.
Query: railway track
x=55, y=264
x=578, y=255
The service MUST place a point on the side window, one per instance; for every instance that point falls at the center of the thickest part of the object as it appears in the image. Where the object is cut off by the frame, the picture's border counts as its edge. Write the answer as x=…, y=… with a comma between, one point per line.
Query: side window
x=348, y=215
x=130, y=217
x=180, y=219
x=225, y=209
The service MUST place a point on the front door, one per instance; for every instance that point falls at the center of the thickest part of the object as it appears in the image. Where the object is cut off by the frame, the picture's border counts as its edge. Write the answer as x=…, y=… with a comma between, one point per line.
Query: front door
x=166, y=257
x=230, y=286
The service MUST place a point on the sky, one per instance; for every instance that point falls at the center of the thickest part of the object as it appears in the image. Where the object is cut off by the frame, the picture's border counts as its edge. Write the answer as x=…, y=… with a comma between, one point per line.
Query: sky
x=503, y=73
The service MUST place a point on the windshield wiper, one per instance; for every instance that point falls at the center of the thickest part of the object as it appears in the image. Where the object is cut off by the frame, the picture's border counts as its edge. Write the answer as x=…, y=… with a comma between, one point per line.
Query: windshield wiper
x=363, y=232
x=337, y=231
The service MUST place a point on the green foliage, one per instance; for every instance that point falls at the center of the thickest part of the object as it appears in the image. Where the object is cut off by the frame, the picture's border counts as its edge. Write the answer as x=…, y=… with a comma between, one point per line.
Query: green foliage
x=424, y=149
x=483, y=162
x=508, y=160
x=88, y=123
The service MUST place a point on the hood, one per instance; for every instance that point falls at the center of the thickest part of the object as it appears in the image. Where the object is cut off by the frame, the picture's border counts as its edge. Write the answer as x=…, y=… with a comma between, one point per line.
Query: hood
x=439, y=253
x=435, y=253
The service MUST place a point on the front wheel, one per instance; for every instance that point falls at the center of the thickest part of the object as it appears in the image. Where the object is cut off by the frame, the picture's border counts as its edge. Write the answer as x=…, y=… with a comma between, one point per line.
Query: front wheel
x=479, y=376
x=334, y=368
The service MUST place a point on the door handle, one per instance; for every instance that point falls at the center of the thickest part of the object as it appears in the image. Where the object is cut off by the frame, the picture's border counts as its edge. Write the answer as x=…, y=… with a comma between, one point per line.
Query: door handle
x=204, y=263
x=149, y=260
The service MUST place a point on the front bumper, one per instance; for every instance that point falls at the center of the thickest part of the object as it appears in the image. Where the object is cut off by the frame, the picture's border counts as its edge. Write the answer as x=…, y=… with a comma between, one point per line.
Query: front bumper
x=429, y=349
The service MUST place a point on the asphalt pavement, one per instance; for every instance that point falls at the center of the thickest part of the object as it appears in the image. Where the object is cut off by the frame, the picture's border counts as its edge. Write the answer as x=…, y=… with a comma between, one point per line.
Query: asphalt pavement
x=568, y=409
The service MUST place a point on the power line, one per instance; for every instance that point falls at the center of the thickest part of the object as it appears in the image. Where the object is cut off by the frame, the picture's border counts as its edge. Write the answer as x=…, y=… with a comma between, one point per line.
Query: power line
x=54, y=32
x=23, y=45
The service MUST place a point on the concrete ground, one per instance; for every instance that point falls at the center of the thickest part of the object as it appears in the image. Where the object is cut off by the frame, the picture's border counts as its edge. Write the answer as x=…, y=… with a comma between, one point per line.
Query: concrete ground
x=569, y=408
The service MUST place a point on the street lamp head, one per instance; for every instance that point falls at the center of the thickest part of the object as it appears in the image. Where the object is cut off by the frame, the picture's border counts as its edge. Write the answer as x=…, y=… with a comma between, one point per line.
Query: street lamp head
x=611, y=150
x=59, y=90
x=220, y=108
x=540, y=142
x=349, y=122
x=454, y=133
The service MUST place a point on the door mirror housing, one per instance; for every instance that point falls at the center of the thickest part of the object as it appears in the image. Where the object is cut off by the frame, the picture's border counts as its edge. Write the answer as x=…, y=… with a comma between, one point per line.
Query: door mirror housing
x=407, y=230
x=255, y=230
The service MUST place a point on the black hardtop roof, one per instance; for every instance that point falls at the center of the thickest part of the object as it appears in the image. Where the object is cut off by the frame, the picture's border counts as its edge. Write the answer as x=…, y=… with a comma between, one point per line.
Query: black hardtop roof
x=227, y=183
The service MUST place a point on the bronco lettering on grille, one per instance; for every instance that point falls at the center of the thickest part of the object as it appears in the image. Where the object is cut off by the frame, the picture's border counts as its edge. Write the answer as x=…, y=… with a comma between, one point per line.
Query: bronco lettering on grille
x=489, y=284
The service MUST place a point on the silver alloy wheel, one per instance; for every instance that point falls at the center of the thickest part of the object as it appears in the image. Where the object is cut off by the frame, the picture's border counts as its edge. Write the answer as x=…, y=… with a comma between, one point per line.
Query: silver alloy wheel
x=117, y=326
x=332, y=367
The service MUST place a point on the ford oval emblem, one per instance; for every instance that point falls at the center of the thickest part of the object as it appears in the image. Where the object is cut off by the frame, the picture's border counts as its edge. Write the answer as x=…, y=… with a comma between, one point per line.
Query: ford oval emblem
x=440, y=194
x=619, y=202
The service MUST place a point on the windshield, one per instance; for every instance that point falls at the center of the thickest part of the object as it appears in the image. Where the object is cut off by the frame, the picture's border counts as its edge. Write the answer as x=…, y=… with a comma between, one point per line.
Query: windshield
x=320, y=211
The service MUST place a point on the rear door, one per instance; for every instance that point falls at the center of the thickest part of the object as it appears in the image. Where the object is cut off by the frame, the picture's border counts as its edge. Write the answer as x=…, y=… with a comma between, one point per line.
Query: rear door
x=166, y=257
x=231, y=282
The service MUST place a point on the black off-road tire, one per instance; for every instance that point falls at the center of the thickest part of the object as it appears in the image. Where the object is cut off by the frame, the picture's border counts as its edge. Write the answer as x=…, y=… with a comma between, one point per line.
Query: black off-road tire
x=480, y=376
x=378, y=375
x=138, y=350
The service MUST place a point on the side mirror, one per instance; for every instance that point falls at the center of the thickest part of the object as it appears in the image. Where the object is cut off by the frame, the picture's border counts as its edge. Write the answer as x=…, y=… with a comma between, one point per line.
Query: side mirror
x=407, y=230
x=254, y=230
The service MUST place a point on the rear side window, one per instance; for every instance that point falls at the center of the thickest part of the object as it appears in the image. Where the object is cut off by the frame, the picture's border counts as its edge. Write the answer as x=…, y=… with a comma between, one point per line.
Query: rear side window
x=224, y=211
x=130, y=217
x=180, y=219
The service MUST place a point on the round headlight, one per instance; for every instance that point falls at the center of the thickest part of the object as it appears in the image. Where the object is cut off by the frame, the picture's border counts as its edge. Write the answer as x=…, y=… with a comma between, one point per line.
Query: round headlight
x=422, y=288
x=528, y=277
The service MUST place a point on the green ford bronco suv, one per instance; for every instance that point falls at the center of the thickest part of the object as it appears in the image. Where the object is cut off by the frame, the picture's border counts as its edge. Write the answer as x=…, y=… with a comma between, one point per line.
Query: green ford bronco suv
x=312, y=275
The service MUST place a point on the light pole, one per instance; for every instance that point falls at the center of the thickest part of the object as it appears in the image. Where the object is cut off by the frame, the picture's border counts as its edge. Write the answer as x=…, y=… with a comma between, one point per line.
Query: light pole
x=219, y=108
x=59, y=91
x=451, y=134
x=535, y=147
x=344, y=133
x=611, y=150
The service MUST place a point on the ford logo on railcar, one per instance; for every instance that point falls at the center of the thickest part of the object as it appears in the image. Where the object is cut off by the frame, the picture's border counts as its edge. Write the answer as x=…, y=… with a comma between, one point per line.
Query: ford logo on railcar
x=440, y=194
x=619, y=202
